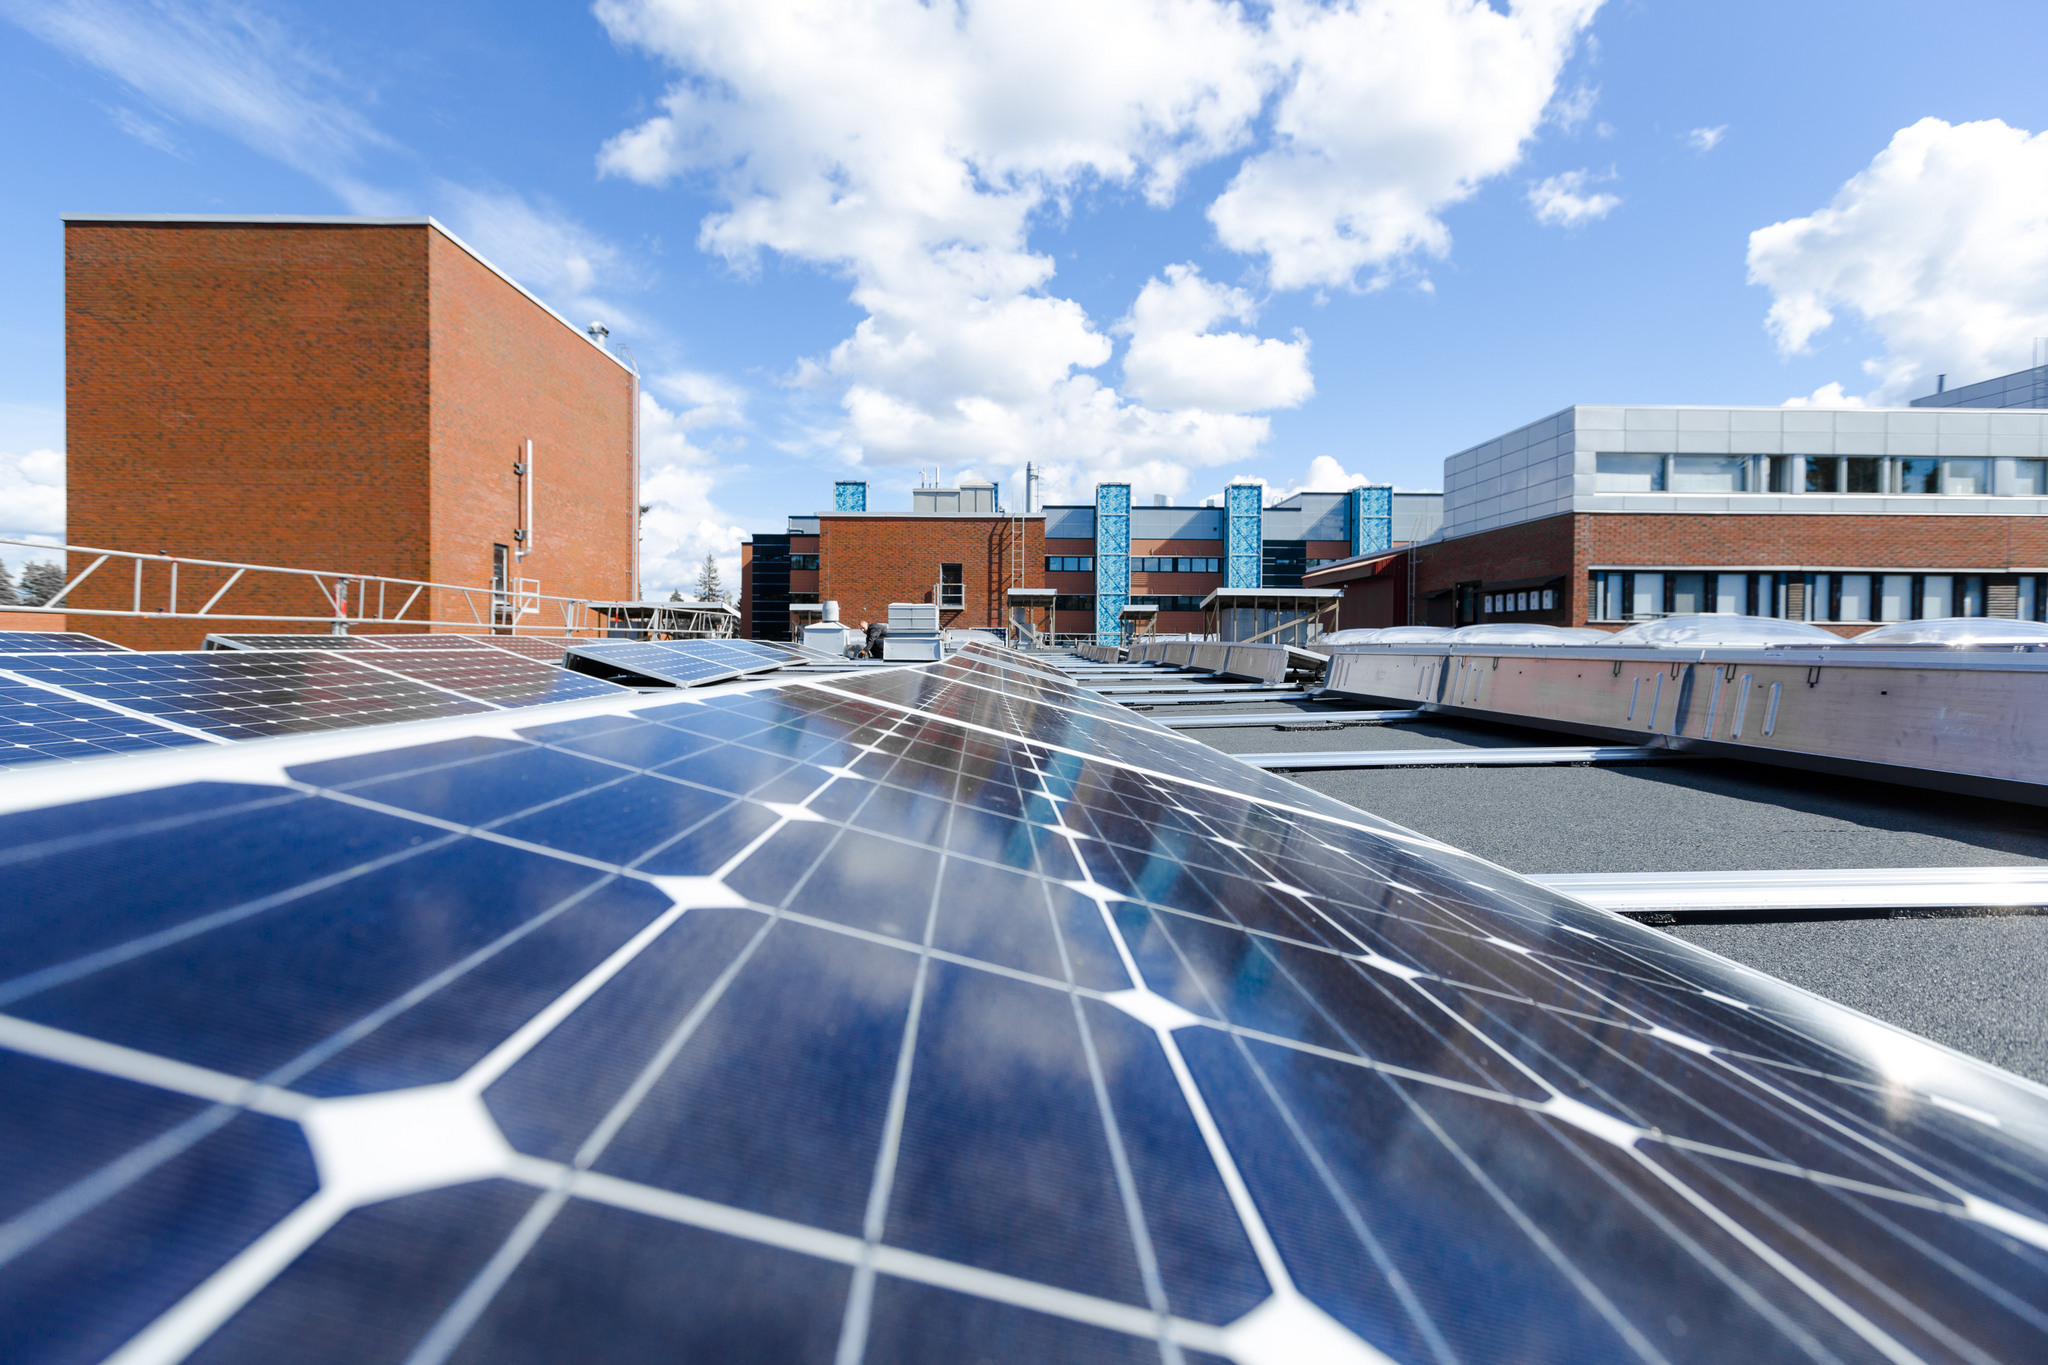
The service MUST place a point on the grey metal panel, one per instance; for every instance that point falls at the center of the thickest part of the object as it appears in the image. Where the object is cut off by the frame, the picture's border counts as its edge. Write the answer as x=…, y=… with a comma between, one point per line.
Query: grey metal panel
x=1936, y=719
x=1534, y=756
x=1323, y=517
x=1877, y=888
x=1175, y=523
x=1070, y=523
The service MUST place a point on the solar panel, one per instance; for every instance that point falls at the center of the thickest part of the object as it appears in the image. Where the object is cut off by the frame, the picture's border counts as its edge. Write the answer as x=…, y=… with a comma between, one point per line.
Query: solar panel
x=800, y=1023
x=491, y=675
x=240, y=695
x=38, y=725
x=660, y=662
x=430, y=642
x=54, y=641
x=294, y=642
x=542, y=648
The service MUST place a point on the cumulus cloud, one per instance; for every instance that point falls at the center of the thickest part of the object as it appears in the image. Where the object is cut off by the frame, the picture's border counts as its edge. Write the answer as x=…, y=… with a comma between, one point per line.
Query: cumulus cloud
x=1325, y=474
x=1939, y=247
x=545, y=249
x=1706, y=139
x=914, y=148
x=1176, y=361
x=31, y=497
x=1387, y=114
x=1830, y=395
x=1562, y=201
x=678, y=478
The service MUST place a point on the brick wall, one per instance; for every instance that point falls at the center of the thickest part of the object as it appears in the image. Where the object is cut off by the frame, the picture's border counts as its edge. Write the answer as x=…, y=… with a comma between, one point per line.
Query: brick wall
x=244, y=394
x=867, y=562
x=505, y=371
x=326, y=396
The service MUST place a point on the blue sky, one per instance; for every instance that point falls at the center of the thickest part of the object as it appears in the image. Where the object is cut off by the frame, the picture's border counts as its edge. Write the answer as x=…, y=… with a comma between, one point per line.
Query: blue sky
x=1177, y=243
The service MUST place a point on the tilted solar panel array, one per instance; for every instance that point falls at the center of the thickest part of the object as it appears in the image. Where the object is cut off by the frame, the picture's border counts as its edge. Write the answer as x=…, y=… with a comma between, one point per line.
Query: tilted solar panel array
x=675, y=663
x=940, y=1014
x=54, y=642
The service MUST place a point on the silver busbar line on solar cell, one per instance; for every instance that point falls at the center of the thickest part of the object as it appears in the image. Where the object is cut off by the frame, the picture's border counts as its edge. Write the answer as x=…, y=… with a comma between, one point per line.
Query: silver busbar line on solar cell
x=345, y=598
x=925, y=1015
x=1963, y=719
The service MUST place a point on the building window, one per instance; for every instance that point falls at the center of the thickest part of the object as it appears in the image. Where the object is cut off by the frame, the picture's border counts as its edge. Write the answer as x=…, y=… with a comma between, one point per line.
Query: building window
x=809, y=597
x=803, y=562
x=1170, y=602
x=1966, y=477
x=1779, y=477
x=1629, y=474
x=952, y=588
x=1074, y=601
x=1823, y=475
x=1175, y=564
x=1709, y=473
x=2029, y=478
x=501, y=603
x=1833, y=474
x=1070, y=564
x=1917, y=476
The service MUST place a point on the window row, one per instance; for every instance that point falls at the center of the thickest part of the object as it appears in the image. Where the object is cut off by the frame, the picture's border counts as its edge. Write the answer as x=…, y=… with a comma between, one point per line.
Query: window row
x=1070, y=564
x=1848, y=597
x=1513, y=603
x=803, y=561
x=1171, y=564
x=1170, y=601
x=1815, y=474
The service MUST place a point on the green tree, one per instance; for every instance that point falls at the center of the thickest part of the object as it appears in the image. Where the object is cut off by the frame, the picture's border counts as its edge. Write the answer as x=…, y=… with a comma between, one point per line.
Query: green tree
x=8, y=596
x=709, y=589
x=40, y=583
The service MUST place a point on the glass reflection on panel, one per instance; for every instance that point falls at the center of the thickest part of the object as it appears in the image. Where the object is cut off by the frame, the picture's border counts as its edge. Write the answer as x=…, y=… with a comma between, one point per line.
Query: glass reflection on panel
x=2029, y=478
x=1629, y=474
x=1649, y=596
x=1823, y=474
x=1855, y=600
x=1731, y=594
x=1688, y=593
x=1937, y=597
x=1919, y=476
x=1895, y=597
x=1966, y=477
x=1864, y=476
x=1709, y=473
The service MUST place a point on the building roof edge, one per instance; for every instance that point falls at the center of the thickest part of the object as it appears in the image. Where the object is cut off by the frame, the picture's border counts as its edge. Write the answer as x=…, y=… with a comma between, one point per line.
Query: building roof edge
x=349, y=220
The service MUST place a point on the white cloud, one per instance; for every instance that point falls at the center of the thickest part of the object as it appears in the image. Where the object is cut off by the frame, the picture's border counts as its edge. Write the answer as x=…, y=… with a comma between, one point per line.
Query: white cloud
x=914, y=148
x=31, y=498
x=145, y=130
x=1940, y=246
x=1570, y=110
x=1325, y=474
x=1706, y=139
x=683, y=522
x=544, y=249
x=1176, y=361
x=1826, y=396
x=1562, y=201
x=1390, y=112
x=226, y=67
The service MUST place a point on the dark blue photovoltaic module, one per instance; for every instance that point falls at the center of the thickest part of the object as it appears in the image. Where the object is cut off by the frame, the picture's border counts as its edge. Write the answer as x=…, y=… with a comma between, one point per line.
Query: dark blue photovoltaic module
x=674, y=663
x=54, y=642
x=939, y=1014
x=38, y=725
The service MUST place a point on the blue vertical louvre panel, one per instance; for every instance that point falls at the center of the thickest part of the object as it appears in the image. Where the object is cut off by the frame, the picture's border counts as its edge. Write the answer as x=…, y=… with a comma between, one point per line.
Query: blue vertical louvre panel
x=1372, y=520
x=850, y=495
x=1112, y=559
x=1242, y=535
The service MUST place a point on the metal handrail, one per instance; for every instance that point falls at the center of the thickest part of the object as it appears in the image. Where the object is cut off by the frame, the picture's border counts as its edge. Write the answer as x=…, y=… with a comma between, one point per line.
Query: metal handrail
x=573, y=610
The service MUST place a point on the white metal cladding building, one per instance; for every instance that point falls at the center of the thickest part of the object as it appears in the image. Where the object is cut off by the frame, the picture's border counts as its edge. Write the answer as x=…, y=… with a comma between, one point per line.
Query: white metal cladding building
x=1601, y=513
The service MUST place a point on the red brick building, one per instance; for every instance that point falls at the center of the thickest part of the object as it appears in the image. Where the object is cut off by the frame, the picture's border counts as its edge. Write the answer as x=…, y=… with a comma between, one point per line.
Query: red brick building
x=348, y=394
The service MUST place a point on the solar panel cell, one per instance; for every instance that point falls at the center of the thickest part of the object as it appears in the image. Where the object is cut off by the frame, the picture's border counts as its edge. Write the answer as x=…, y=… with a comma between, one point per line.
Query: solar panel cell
x=489, y=675
x=242, y=695
x=55, y=642
x=38, y=725
x=970, y=1046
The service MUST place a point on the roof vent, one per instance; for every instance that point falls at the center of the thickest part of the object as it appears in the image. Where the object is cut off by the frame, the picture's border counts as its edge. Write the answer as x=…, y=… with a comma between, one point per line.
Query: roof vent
x=598, y=332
